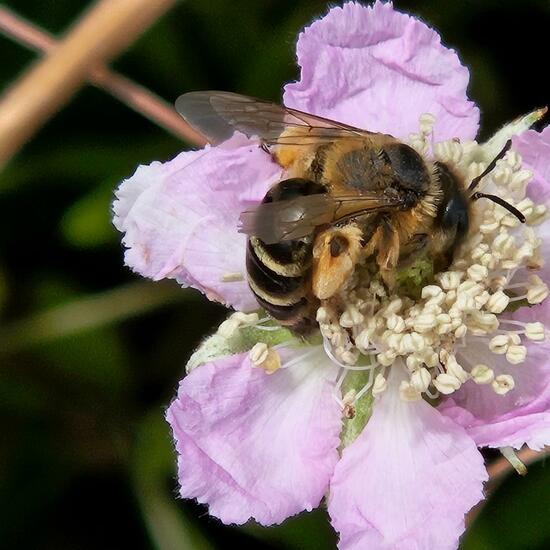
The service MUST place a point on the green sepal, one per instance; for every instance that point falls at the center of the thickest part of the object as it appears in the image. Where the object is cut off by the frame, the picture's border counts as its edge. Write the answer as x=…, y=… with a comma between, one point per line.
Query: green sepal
x=243, y=339
x=491, y=148
x=352, y=427
x=249, y=336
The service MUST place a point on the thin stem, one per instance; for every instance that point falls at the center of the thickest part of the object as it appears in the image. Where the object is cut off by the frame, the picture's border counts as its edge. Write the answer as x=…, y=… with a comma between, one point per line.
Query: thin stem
x=147, y=104
x=133, y=95
x=27, y=34
x=104, y=31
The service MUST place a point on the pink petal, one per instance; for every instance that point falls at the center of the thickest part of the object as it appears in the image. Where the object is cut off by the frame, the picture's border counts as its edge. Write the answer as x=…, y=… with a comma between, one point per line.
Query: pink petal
x=522, y=416
x=534, y=148
x=254, y=445
x=408, y=479
x=180, y=218
x=380, y=69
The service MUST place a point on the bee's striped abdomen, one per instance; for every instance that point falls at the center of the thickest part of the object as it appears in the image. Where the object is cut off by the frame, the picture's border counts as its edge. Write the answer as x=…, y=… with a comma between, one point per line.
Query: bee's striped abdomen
x=281, y=287
x=279, y=274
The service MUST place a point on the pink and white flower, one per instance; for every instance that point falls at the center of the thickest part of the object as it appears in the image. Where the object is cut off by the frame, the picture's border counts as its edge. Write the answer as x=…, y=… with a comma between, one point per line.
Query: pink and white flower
x=355, y=418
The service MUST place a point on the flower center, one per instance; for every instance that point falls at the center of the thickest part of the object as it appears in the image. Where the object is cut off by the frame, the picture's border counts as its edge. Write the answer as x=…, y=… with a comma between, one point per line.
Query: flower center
x=426, y=325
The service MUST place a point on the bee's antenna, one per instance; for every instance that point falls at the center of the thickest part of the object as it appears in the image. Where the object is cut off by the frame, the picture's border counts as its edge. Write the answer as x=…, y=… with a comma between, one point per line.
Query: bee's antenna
x=491, y=167
x=512, y=209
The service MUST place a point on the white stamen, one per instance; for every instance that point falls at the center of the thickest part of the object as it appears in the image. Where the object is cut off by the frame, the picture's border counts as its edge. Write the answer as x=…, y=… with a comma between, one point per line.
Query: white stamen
x=245, y=318
x=351, y=317
x=386, y=358
x=502, y=384
x=427, y=121
x=349, y=397
x=537, y=291
x=498, y=302
x=446, y=383
x=456, y=370
x=268, y=329
x=380, y=385
x=425, y=322
x=413, y=362
x=362, y=340
x=420, y=379
x=482, y=374
x=478, y=272
x=510, y=455
x=228, y=328
x=322, y=315
x=499, y=344
x=408, y=393
x=535, y=331
x=461, y=331
x=516, y=354
x=431, y=291
x=258, y=354
x=396, y=324
x=266, y=358
x=449, y=280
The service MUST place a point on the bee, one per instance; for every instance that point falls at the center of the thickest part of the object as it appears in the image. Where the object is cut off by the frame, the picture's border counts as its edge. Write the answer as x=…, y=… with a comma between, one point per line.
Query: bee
x=348, y=195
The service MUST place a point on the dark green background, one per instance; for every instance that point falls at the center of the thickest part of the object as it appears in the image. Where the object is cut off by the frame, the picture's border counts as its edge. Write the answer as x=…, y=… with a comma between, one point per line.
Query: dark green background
x=90, y=355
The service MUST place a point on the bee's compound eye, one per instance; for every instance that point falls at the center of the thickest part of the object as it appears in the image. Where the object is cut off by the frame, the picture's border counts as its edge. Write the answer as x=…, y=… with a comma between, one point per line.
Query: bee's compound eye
x=338, y=245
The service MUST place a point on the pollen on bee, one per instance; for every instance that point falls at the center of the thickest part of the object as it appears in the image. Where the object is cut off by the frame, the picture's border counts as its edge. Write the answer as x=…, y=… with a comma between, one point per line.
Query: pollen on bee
x=264, y=357
x=232, y=277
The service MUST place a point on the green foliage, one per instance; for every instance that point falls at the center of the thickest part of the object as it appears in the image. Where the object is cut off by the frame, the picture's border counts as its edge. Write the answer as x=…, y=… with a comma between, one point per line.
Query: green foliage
x=362, y=411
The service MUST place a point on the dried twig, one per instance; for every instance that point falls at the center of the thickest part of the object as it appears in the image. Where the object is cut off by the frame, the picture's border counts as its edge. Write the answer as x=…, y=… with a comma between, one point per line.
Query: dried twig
x=104, y=31
x=131, y=94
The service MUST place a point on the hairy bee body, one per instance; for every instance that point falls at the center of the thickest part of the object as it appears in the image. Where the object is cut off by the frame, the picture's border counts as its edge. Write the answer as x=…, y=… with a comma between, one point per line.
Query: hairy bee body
x=279, y=273
x=348, y=196
x=282, y=282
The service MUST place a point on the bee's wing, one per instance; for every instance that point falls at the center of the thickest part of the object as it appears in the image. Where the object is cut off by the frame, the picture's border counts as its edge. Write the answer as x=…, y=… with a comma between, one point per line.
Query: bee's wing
x=218, y=114
x=296, y=218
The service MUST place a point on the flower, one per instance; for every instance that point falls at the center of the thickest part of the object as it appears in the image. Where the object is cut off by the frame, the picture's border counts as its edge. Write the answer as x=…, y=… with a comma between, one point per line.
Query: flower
x=384, y=409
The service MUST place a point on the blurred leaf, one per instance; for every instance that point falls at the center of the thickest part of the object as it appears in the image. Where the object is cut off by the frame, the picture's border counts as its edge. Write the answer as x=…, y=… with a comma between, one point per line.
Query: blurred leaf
x=85, y=162
x=152, y=465
x=89, y=312
x=87, y=223
x=4, y=289
x=97, y=357
x=21, y=396
x=307, y=531
x=516, y=515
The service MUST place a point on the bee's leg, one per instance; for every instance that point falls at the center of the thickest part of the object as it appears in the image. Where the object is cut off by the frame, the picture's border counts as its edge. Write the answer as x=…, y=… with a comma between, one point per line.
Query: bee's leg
x=415, y=246
x=388, y=252
x=336, y=251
